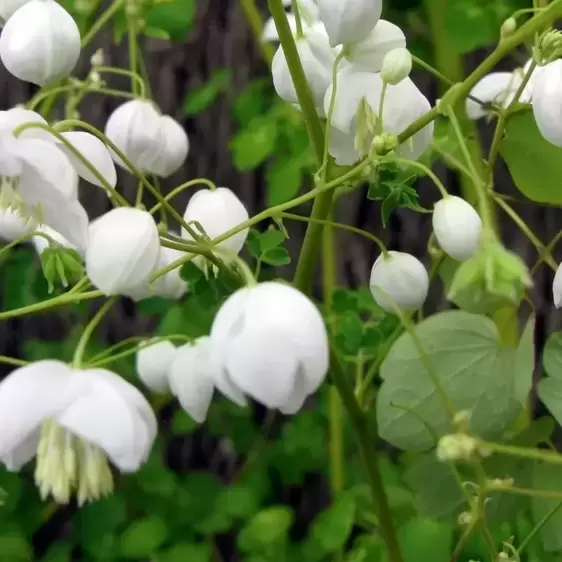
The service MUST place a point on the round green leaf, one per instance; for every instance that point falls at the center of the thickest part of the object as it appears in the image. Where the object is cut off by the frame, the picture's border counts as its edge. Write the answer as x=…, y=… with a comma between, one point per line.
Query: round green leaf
x=476, y=373
x=552, y=356
x=142, y=538
x=269, y=526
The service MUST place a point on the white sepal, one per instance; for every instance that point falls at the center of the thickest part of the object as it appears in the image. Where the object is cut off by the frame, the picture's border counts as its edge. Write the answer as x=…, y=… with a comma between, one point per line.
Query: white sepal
x=547, y=93
x=557, y=288
x=40, y=43
x=399, y=280
x=123, y=250
x=153, y=362
x=457, y=227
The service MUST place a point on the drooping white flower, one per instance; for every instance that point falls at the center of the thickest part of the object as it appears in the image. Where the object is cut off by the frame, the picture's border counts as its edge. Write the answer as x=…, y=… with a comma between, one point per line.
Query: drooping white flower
x=269, y=342
x=40, y=243
x=457, y=227
x=557, y=287
x=309, y=18
x=399, y=280
x=369, y=53
x=40, y=42
x=403, y=104
x=123, y=250
x=151, y=142
x=191, y=379
x=217, y=212
x=349, y=21
x=13, y=226
x=547, y=95
x=73, y=421
x=317, y=58
x=9, y=7
x=396, y=65
x=153, y=362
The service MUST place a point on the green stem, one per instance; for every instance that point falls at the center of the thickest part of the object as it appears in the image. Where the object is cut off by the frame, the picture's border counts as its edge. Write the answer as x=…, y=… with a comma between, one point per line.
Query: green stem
x=370, y=457
x=177, y=190
x=538, y=527
x=102, y=21
x=13, y=361
x=124, y=72
x=545, y=455
x=133, y=51
x=254, y=19
x=415, y=164
x=298, y=19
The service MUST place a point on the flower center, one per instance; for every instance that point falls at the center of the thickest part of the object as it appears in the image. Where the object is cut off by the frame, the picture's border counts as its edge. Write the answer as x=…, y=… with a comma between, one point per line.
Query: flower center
x=11, y=199
x=67, y=464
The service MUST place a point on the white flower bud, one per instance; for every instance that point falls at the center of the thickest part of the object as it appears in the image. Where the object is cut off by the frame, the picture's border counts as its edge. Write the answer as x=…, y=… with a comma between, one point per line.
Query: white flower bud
x=349, y=21
x=547, y=92
x=122, y=251
x=557, y=287
x=40, y=43
x=457, y=227
x=217, y=212
x=134, y=127
x=153, y=362
x=396, y=66
x=457, y=447
x=97, y=59
x=173, y=149
x=9, y=7
x=508, y=28
x=399, y=280
x=269, y=342
x=191, y=379
x=369, y=54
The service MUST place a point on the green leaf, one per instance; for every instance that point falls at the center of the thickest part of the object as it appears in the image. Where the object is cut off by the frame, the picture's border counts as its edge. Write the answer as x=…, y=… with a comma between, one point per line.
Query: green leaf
x=198, y=100
x=185, y=552
x=388, y=205
x=475, y=371
x=270, y=239
x=535, y=164
x=284, y=178
x=173, y=17
x=276, y=257
x=182, y=423
x=14, y=547
x=547, y=477
x=253, y=145
x=238, y=501
x=255, y=100
x=142, y=538
x=367, y=548
x=525, y=362
x=332, y=527
x=552, y=356
x=424, y=539
x=266, y=529
x=470, y=24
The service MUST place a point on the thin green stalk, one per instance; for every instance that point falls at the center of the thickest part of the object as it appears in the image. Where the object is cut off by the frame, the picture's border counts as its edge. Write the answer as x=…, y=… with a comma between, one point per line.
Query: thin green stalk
x=545, y=455
x=298, y=19
x=415, y=164
x=13, y=361
x=102, y=21
x=133, y=51
x=254, y=19
x=177, y=190
x=540, y=524
x=129, y=73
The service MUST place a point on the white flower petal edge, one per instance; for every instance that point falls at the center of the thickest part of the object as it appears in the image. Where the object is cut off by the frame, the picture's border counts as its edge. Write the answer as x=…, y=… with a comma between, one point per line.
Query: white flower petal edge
x=191, y=379
x=9, y=7
x=492, y=88
x=40, y=243
x=153, y=361
x=547, y=92
x=557, y=288
x=13, y=226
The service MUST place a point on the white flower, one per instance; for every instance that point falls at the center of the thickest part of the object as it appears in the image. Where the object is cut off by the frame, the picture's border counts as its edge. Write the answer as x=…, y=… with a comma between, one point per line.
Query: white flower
x=153, y=362
x=40, y=243
x=349, y=21
x=9, y=7
x=191, y=379
x=309, y=18
x=74, y=421
x=217, y=212
x=13, y=226
x=152, y=142
x=457, y=227
x=370, y=52
x=403, y=104
x=547, y=96
x=396, y=65
x=399, y=280
x=269, y=342
x=40, y=42
x=123, y=250
x=557, y=287
x=342, y=147
x=317, y=59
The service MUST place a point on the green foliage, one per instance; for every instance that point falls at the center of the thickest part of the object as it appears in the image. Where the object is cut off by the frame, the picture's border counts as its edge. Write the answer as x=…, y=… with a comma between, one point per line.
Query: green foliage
x=198, y=100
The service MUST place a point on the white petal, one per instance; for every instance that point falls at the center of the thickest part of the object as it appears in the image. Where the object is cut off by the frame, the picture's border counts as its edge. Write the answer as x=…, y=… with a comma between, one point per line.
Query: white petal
x=30, y=395
x=270, y=31
x=191, y=379
x=10, y=165
x=13, y=118
x=40, y=43
x=557, y=287
x=349, y=21
x=123, y=250
x=490, y=89
x=95, y=152
x=40, y=243
x=547, y=92
x=369, y=53
x=342, y=147
x=9, y=7
x=13, y=226
x=171, y=285
x=153, y=361
x=173, y=148
x=264, y=365
x=22, y=453
x=298, y=397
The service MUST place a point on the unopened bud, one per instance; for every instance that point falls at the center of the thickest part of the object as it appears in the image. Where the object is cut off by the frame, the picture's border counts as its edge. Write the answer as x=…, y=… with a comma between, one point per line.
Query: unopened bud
x=97, y=58
x=396, y=65
x=457, y=447
x=461, y=420
x=508, y=28
x=465, y=519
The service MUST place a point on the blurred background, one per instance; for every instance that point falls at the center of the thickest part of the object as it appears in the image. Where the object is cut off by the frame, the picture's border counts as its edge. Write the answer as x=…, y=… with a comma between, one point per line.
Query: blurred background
x=247, y=485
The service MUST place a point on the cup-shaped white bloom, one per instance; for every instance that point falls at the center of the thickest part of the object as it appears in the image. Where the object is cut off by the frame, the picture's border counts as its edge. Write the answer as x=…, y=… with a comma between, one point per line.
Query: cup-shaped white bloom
x=40, y=42
x=457, y=227
x=217, y=212
x=173, y=149
x=153, y=362
x=403, y=104
x=191, y=379
x=13, y=226
x=317, y=59
x=497, y=88
x=134, y=128
x=9, y=7
x=73, y=421
x=349, y=21
x=369, y=53
x=269, y=342
x=399, y=280
x=123, y=250
x=557, y=287
x=547, y=96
